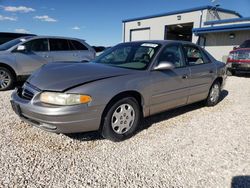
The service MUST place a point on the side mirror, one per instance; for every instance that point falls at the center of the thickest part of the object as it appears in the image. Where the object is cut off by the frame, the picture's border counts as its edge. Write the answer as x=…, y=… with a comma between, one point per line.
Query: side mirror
x=21, y=48
x=164, y=65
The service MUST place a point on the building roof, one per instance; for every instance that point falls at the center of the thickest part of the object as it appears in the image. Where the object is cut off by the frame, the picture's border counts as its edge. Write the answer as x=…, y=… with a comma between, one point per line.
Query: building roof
x=218, y=29
x=184, y=11
x=232, y=20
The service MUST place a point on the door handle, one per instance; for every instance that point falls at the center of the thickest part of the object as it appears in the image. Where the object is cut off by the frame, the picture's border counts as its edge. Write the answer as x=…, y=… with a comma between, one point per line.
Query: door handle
x=45, y=56
x=185, y=76
x=211, y=71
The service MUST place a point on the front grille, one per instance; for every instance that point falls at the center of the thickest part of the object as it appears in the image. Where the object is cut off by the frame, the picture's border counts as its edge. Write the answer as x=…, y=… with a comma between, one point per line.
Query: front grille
x=26, y=94
x=28, y=91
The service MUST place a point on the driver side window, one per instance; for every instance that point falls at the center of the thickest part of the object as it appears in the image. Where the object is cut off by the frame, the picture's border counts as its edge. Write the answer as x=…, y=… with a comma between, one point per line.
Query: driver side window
x=172, y=54
x=37, y=45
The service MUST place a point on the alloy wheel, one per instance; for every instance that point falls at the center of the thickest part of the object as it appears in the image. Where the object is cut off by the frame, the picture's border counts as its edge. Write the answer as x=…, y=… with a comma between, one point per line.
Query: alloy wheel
x=5, y=79
x=215, y=92
x=123, y=118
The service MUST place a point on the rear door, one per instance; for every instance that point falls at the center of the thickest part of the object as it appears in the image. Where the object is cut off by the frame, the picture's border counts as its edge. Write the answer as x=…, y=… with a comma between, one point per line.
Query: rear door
x=170, y=88
x=60, y=50
x=202, y=72
x=80, y=51
x=34, y=57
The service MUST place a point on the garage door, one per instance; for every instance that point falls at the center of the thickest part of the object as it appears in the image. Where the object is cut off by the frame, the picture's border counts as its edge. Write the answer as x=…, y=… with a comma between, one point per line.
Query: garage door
x=142, y=34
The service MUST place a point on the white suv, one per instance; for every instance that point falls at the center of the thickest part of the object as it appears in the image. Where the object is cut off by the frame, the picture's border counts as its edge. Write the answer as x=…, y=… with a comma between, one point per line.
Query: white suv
x=22, y=56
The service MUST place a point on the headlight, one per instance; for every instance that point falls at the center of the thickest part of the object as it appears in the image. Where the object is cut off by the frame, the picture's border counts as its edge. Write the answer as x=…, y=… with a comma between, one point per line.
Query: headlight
x=64, y=99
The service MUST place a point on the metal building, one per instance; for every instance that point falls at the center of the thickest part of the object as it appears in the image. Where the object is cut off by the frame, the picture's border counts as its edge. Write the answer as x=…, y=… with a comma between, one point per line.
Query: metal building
x=216, y=29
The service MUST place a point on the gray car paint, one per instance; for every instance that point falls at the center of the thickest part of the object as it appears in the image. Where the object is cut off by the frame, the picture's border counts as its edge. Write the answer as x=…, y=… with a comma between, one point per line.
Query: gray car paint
x=159, y=90
x=63, y=75
x=26, y=63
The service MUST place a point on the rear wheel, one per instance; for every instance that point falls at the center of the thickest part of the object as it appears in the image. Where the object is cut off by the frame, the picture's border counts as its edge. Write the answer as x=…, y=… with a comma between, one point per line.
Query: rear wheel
x=121, y=120
x=6, y=79
x=214, y=94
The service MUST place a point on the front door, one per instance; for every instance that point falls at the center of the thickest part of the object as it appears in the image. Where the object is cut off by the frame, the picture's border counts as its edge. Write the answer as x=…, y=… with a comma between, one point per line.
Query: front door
x=35, y=55
x=170, y=87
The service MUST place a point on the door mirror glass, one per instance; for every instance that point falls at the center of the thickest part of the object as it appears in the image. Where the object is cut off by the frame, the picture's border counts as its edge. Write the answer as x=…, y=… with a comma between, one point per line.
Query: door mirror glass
x=164, y=65
x=21, y=48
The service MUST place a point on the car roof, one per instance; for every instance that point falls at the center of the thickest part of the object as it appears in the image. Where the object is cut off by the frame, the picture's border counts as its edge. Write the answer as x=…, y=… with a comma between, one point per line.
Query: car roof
x=162, y=42
x=57, y=37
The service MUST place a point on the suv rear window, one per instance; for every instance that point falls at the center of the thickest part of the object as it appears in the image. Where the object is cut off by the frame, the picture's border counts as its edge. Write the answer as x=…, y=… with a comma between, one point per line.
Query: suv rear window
x=58, y=45
x=75, y=45
x=245, y=44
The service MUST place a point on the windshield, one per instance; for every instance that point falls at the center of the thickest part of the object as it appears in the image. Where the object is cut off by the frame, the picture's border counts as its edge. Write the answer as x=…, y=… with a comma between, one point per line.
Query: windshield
x=11, y=43
x=245, y=44
x=136, y=56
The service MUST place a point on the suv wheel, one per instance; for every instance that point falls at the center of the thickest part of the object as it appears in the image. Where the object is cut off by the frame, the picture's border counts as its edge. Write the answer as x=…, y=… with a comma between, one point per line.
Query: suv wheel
x=6, y=79
x=214, y=94
x=121, y=120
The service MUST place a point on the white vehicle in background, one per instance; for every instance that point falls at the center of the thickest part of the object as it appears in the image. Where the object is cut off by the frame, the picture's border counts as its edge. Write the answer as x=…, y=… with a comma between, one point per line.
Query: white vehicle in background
x=19, y=58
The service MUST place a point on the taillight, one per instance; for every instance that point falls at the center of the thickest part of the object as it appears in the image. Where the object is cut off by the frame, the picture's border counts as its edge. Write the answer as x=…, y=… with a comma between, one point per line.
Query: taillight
x=239, y=56
x=232, y=57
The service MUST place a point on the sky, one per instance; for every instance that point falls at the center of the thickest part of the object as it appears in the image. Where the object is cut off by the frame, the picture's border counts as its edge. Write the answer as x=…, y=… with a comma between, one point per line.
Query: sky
x=99, y=22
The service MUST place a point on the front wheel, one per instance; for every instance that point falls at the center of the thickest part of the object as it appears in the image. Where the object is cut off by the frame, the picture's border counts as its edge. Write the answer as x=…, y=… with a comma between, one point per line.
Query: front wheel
x=6, y=79
x=121, y=120
x=214, y=94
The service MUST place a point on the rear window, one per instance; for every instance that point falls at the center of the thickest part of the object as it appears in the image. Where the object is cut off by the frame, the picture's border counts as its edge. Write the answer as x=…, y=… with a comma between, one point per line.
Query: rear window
x=59, y=45
x=75, y=45
x=245, y=44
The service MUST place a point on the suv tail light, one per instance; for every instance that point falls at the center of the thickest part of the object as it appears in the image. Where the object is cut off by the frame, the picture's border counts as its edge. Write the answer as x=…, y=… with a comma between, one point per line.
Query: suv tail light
x=236, y=56
x=233, y=56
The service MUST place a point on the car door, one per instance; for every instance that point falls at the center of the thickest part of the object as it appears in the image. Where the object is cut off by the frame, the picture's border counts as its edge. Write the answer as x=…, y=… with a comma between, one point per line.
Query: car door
x=34, y=56
x=80, y=51
x=202, y=72
x=60, y=50
x=170, y=88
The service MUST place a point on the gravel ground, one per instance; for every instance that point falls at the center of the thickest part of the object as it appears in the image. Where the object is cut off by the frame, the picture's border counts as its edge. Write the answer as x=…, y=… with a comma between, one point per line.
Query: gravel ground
x=194, y=146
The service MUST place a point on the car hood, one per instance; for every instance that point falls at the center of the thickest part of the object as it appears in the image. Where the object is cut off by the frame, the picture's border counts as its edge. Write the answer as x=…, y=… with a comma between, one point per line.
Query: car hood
x=3, y=52
x=64, y=76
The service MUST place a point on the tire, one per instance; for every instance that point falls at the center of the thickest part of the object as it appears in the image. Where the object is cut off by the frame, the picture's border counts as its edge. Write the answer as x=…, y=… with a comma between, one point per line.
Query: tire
x=214, y=94
x=118, y=126
x=6, y=79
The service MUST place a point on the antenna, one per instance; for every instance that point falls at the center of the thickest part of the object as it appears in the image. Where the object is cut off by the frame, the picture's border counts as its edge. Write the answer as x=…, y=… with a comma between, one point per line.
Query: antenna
x=215, y=3
x=214, y=8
